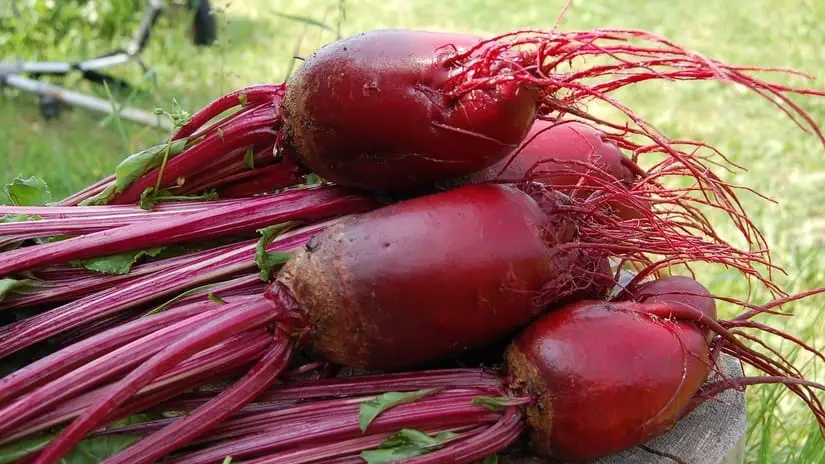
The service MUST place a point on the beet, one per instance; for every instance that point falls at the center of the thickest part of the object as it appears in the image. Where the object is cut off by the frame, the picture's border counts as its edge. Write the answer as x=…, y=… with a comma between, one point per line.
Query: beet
x=368, y=111
x=434, y=276
x=552, y=148
x=677, y=290
x=605, y=377
x=568, y=156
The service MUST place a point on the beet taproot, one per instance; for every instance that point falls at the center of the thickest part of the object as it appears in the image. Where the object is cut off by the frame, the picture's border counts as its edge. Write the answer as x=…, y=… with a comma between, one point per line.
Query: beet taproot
x=605, y=377
x=393, y=288
x=571, y=157
x=369, y=111
x=676, y=290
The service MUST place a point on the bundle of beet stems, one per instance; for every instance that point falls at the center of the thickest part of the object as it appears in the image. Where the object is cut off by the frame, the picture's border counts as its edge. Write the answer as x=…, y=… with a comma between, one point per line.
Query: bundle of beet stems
x=467, y=196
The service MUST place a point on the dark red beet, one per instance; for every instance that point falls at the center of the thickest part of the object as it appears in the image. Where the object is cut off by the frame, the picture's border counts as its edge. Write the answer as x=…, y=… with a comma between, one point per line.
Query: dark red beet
x=676, y=290
x=605, y=377
x=368, y=111
x=555, y=148
x=569, y=154
x=434, y=276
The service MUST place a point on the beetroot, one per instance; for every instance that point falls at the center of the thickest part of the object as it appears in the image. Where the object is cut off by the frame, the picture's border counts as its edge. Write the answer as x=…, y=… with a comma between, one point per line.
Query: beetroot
x=369, y=111
x=605, y=377
x=393, y=288
x=554, y=148
x=676, y=290
x=567, y=156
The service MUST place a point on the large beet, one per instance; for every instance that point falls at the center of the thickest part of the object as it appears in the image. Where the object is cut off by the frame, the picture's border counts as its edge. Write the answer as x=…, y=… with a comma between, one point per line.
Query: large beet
x=435, y=276
x=369, y=111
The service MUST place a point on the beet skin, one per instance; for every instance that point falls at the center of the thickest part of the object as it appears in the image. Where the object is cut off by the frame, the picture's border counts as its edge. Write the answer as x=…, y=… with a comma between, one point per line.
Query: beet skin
x=678, y=291
x=606, y=377
x=370, y=112
x=432, y=277
x=573, y=158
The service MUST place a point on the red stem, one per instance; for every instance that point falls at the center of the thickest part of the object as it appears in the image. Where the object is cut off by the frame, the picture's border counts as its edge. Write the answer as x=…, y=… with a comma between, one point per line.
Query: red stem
x=297, y=204
x=220, y=264
x=203, y=419
x=232, y=355
x=255, y=94
x=256, y=127
x=101, y=368
x=63, y=361
x=232, y=322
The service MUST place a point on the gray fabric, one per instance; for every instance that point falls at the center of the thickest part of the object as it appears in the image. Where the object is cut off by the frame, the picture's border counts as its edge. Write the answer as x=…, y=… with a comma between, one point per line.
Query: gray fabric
x=711, y=434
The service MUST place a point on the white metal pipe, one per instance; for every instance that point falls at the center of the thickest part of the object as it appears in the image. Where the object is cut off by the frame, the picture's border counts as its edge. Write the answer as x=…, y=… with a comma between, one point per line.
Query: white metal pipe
x=88, y=102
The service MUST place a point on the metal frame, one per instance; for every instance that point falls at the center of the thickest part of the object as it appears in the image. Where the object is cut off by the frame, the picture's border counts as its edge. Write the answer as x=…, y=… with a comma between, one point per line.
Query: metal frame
x=14, y=74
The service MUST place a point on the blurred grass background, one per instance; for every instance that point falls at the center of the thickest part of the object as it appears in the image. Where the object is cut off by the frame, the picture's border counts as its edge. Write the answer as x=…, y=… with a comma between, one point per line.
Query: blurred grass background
x=257, y=40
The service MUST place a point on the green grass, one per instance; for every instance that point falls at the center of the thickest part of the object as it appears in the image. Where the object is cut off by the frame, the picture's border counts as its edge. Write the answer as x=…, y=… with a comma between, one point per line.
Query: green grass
x=257, y=43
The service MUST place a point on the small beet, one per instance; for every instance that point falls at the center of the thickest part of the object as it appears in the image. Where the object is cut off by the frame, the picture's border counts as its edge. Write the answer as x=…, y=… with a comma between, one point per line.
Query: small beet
x=568, y=156
x=555, y=147
x=605, y=377
x=677, y=290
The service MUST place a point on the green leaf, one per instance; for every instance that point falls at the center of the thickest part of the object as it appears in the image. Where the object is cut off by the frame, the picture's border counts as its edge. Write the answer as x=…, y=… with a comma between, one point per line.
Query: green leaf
x=392, y=455
x=181, y=249
x=490, y=402
x=227, y=460
x=370, y=409
x=118, y=264
x=412, y=437
x=215, y=298
x=89, y=451
x=21, y=448
x=268, y=260
x=180, y=117
x=133, y=419
x=52, y=239
x=28, y=192
x=19, y=218
x=242, y=98
x=490, y=459
x=181, y=296
x=142, y=162
x=9, y=286
x=249, y=158
x=313, y=179
x=405, y=444
x=102, y=198
x=148, y=199
x=96, y=450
